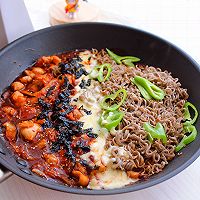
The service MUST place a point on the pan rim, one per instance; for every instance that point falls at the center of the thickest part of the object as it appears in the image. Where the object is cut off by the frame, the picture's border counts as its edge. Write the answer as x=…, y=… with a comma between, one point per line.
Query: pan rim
x=126, y=189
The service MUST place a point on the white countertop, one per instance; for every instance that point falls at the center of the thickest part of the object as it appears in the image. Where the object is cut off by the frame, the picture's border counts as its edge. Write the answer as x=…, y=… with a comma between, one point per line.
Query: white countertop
x=175, y=20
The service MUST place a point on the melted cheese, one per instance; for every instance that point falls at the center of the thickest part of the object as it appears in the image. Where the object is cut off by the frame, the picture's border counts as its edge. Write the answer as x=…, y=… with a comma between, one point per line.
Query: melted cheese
x=90, y=98
x=97, y=149
x=110, y=179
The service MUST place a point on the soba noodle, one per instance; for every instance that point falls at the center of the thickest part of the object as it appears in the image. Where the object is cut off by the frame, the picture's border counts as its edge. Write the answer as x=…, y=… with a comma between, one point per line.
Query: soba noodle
x=143, y=156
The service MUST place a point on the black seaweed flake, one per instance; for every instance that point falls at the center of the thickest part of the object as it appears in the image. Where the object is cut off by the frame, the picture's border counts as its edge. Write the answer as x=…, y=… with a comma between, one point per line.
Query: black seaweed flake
x=80, y=72
x=64, y=94
x=73, y=66
x=88, y=82
x=66, y=128
x=58, y=114
x=50, y=90
x=57, y=102
x=86, y=164
x=44, y=114
x=78, y=59
x=89, y=132
x=92, y=135
x=76, y=63
x=47, y=124
x=55, y=146
x=46, y=108
x=82, y=145
x=55, y=115
x=67, y=85
x=88, y=112
x=82, y=84
x=43, y=104
x=66, y=68
x=85, y=84
x=75, y=100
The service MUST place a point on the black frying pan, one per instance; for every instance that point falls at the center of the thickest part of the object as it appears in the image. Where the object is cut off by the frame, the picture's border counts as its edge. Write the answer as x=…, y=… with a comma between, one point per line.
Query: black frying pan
x=123, y=40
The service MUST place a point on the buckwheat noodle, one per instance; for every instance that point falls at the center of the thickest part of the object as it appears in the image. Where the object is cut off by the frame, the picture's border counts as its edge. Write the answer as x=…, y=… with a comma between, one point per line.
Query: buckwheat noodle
x=143, y=156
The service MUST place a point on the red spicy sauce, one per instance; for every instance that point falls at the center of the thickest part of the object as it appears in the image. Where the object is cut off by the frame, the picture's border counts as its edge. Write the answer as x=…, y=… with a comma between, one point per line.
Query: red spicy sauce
x=41, y=124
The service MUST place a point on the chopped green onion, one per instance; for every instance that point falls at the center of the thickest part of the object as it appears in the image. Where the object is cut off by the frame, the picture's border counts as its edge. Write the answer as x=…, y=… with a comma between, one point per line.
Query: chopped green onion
x=155, y=133
x=97, y=72
x=112, y=97
x=127, y=60
x=148, y=90
x=111, y=119
x=187, y=139
x=187, y=116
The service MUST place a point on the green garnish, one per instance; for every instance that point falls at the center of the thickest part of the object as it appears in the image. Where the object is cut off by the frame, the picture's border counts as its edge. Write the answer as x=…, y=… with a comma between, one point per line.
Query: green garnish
x=148, y=89
x=127, y=60
x=187, y=139
x=187, y=115
x=104, y=105
x=155, y=133
x=98, y=74
x=188, y=126
x=111, y=119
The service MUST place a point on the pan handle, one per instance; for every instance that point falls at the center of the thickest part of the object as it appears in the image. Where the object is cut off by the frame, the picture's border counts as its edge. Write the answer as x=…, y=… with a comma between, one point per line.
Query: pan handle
x=4, y=173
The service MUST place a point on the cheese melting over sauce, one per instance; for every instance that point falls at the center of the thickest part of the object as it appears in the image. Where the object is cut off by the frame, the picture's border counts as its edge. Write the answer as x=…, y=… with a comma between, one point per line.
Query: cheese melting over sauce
x=90, y=98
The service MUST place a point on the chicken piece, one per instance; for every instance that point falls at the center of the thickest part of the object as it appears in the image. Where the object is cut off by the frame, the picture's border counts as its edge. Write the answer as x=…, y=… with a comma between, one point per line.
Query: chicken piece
x=44, y=79
x=51, y=159
x=23, y=152
x=56, y=60
x=26, y=79
x=17, y=86
x=34, y=86
x=39, y=172
x=11, y=131
x=47, y=60
x=41, y=144
x=9, y=110
x=29, y=73
x=38, y=70
x=55, y=69
x=29, y=129
x=43, y=91
x=27, y=112
x=43, y=61
x=83, y=179
x=18, y=99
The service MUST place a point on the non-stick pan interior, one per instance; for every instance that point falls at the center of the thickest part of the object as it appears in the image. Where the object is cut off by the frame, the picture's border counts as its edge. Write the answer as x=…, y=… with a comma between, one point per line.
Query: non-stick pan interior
x=123, y=40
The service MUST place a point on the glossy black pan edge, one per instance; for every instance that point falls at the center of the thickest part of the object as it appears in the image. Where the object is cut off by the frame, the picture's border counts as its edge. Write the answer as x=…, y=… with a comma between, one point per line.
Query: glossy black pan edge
x=135, y=187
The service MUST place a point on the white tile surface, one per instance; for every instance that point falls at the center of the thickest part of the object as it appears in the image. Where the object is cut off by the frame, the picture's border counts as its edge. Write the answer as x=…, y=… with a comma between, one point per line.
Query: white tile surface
x=175, y=20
